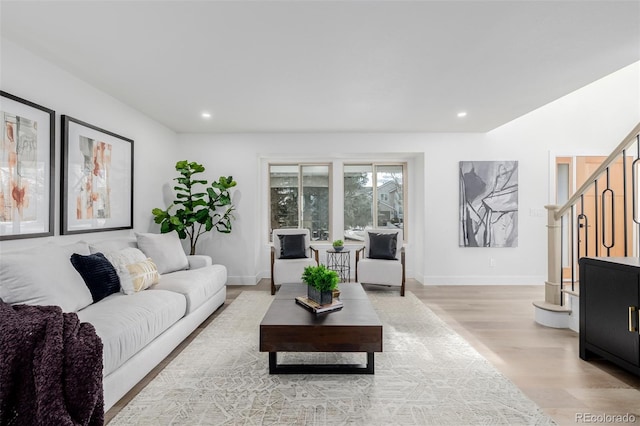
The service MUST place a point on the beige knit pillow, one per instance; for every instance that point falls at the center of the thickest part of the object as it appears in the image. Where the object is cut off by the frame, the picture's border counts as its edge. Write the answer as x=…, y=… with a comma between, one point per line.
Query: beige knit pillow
x=143, y=274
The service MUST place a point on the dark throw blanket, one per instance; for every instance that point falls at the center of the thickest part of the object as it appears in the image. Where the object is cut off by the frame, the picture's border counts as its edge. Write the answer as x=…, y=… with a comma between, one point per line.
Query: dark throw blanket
x=50, y=368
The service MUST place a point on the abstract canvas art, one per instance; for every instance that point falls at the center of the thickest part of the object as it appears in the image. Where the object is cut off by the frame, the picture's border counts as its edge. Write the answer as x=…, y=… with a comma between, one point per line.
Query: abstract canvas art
x=93, y=191
x=26, y=168
x=97, y=178
x=488, y=204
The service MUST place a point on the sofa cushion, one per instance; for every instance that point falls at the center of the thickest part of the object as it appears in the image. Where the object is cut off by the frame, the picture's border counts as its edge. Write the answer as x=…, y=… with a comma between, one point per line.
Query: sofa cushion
x=112, y=245
x=121, y=259
x=44, y=276
x=197, y=285
x=98, y=274
x=127, y=323
x=165, y=250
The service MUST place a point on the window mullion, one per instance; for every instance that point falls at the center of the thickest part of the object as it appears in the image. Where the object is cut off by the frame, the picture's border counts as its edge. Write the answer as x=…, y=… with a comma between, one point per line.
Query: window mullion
x=300, y=197
x=374, y=183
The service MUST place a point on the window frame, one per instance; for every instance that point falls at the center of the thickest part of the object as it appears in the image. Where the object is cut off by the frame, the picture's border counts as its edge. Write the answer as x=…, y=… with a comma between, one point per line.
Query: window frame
x=405, y=191
x=300, y=212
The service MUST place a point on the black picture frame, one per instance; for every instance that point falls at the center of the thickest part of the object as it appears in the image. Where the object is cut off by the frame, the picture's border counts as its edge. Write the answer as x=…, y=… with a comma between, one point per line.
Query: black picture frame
x=27, y=168
x=97, y=179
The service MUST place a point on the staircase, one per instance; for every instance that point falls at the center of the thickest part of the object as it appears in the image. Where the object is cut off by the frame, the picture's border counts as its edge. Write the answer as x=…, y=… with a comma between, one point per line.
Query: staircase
x=602, y=218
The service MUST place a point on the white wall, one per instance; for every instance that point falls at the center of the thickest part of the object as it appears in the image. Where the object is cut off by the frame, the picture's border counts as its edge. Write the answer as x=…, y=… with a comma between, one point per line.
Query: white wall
x=30, y=77
x=245, y=251
x=595, y=118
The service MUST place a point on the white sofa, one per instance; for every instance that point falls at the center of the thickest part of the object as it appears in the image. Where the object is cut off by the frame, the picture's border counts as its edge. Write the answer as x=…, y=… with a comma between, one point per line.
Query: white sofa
x=138, y=330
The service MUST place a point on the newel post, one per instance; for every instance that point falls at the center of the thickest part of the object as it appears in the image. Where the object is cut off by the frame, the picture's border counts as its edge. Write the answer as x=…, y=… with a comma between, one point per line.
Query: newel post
x=552, y=285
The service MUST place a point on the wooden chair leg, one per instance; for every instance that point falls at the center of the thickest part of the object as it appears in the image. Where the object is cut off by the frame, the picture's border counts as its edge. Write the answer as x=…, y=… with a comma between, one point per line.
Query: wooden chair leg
x=403, y=273
x=273, y=286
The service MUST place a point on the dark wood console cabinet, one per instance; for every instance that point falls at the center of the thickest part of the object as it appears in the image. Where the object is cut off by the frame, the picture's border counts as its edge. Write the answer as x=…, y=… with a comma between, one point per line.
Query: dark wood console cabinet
x=609, y=302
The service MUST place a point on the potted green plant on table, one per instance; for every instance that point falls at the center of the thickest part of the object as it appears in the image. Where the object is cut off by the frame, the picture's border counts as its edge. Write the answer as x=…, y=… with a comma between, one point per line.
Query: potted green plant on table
x=321, y=282
x=199, y=210
x=338, y=245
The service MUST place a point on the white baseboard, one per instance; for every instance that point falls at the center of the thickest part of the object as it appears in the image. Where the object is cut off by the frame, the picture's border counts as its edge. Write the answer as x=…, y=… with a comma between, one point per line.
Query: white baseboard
x=425, y=279
x=242, y=280
x=483, y=280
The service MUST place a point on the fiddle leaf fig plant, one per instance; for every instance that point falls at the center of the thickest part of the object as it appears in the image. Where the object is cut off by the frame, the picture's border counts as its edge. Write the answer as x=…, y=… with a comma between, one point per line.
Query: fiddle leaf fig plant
x=198, y=209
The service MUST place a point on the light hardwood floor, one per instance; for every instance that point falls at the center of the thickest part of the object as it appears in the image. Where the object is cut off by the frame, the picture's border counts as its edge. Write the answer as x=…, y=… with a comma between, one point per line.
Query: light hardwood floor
x=498, y=322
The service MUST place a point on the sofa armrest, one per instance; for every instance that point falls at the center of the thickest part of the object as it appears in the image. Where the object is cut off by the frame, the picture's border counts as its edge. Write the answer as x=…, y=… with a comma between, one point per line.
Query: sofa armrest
x=199, y=261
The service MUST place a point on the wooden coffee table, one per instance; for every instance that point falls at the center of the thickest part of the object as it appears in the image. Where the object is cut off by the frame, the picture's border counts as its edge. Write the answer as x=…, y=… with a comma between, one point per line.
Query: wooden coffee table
x=288, y=327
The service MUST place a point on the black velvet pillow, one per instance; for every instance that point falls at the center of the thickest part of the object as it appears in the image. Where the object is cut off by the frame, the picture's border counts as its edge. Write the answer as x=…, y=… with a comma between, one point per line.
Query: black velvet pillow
x=292, y=246
x=383, y=246
x=98, y=274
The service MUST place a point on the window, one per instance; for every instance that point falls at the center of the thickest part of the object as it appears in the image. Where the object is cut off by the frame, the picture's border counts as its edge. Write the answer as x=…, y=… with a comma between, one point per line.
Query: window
x=299, y=198
x=364, y=183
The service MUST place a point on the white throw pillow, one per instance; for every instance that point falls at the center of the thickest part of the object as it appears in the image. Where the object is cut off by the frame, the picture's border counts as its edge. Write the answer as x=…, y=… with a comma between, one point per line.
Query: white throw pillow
x=44, y=276
x=165, y=250
x=80, y=247
x=111, y=245
x=121, y=259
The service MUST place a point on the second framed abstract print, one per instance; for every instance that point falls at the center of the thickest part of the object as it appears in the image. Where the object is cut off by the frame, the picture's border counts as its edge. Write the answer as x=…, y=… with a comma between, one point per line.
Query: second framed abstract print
x=97, y=179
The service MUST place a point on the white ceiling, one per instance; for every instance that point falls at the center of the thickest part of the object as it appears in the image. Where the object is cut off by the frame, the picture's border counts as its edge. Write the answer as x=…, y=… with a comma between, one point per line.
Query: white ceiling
x=331, y=66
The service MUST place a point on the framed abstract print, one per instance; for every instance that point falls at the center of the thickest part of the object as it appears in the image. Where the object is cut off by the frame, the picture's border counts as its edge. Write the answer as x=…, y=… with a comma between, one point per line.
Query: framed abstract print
x=97, y=179
x=488, y=204
x=27, y=155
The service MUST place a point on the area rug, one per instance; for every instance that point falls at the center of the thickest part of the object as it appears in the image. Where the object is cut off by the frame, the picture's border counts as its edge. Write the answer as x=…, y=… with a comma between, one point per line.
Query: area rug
x=427, y=375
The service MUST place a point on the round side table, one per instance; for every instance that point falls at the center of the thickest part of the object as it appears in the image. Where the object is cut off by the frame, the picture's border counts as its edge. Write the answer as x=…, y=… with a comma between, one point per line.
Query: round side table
x=340, y=261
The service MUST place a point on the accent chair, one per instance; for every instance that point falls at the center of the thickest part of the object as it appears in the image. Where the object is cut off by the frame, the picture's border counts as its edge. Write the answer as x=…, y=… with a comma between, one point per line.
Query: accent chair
x=291, y=252
x=381, y=260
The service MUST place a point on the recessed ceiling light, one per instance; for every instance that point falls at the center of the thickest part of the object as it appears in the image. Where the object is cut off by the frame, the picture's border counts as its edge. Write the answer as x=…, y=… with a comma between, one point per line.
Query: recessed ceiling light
x=206, y=115
x=462, y=114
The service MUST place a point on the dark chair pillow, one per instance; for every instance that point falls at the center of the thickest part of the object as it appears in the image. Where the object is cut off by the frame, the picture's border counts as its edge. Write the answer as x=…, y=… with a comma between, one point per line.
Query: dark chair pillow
x=383, y=246
x=292, y=246
x=98, y=274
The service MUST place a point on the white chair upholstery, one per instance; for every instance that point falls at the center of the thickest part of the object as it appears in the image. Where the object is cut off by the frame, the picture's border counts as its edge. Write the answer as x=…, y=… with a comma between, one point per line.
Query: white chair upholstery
x=290, y=270
x=381, y=271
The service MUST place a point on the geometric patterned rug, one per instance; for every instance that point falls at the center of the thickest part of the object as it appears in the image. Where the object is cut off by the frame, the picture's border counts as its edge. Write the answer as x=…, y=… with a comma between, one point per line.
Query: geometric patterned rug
x=427, y=375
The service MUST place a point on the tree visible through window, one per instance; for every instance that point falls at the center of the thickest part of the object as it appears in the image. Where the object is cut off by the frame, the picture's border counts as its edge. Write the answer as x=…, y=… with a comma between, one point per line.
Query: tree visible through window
x=295, y=205
x=358, y=197
x=364, y=183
